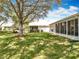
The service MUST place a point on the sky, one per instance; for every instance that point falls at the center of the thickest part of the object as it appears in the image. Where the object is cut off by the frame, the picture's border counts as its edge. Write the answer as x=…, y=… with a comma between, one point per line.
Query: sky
x=65, y=9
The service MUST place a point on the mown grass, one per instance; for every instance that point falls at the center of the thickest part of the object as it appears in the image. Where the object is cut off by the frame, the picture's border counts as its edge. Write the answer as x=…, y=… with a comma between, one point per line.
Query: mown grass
x=37, y=46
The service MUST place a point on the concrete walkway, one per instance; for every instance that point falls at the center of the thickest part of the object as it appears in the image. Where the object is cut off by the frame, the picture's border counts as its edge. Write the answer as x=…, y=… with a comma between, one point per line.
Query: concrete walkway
x=68, y=36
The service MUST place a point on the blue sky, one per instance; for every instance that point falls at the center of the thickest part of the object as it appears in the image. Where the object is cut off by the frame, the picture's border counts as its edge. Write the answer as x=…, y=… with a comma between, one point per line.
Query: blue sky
x=67, y=8
x=67, y=3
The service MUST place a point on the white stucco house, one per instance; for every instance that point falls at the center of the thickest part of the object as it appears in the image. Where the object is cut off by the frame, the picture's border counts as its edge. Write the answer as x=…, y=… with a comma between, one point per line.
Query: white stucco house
x=39, y=26
x=67, y=27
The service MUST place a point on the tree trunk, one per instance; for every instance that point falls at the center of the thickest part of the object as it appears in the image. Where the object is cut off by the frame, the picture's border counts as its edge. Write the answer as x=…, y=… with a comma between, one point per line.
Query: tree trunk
x=21, y=28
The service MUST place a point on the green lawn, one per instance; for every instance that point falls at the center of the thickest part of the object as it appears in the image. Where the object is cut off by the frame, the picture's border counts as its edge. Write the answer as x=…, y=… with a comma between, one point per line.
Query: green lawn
x=37, y=46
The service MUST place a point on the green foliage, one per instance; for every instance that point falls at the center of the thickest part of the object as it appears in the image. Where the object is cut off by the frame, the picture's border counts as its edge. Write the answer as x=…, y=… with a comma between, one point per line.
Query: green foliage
x=37, y=45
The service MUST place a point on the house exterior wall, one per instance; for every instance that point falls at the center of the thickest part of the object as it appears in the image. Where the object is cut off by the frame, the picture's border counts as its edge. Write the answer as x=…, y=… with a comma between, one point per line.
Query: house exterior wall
x=52, y=28
x=66, y=26
x=78, y=26
x=33, y=29
x=43, y=28
x=39, y=28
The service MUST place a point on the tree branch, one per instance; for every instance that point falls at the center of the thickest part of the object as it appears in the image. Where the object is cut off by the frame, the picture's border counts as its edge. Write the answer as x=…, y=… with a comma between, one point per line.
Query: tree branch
x=34, y=7
x=22, y=9
x=34, y=16
x=14, y=8
x=19, y=7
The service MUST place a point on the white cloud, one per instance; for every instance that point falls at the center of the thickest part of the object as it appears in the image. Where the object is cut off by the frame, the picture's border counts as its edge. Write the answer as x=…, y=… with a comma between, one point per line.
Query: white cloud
x=73, y=8
x=61, y=13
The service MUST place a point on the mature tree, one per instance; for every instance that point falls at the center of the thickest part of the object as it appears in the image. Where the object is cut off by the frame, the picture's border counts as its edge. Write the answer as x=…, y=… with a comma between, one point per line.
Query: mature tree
x=26, y=10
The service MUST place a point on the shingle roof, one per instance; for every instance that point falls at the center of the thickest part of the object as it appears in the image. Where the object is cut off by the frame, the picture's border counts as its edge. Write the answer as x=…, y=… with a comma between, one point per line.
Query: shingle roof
x=39, y=23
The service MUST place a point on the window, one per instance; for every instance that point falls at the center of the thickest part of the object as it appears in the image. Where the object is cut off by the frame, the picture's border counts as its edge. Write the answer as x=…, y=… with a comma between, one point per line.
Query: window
x=76, y=27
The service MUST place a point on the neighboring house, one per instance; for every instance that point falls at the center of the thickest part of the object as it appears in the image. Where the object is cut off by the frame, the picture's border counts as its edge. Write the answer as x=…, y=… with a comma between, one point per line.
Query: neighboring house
x=39, y=26
x=68, y=27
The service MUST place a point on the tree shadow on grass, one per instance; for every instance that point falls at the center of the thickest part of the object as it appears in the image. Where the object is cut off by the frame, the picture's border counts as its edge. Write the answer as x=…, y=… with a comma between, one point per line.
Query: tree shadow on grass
x=36, y=45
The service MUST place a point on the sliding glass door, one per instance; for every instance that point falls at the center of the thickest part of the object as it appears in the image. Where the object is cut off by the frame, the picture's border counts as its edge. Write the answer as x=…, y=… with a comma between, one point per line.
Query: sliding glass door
x=76, y=27
x=73, y=27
